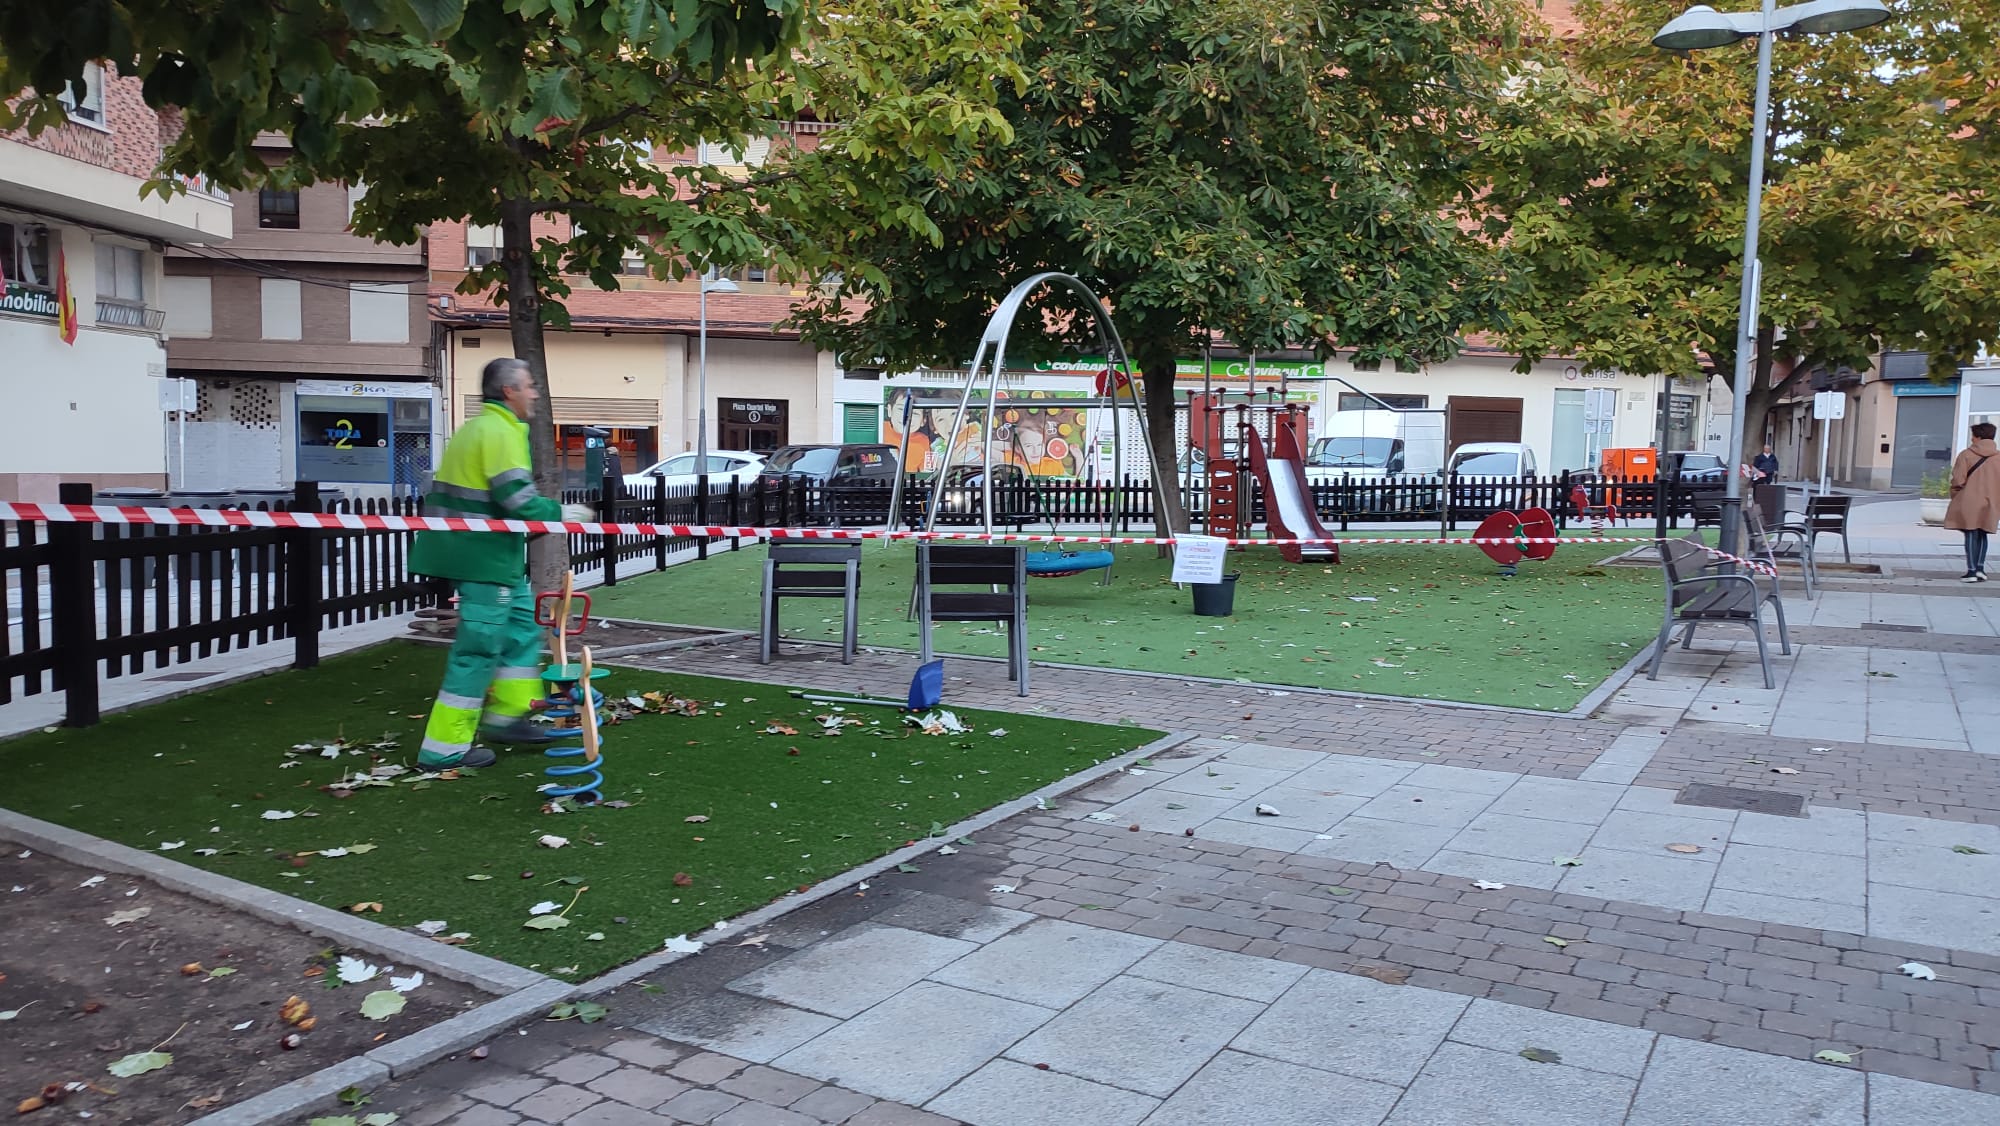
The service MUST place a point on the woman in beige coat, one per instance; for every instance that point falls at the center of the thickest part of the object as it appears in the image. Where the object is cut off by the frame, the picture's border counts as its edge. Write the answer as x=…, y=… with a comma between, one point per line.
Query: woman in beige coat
x=1975, y=499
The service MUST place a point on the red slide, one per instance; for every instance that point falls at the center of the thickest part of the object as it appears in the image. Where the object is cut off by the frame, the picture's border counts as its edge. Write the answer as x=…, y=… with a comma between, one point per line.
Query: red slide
x=1288, y=504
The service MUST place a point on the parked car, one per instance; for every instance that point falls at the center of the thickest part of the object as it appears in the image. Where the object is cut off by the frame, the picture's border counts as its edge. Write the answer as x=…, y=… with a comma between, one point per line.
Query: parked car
x=964, y=495
x=1487, y=477
x=1493, y=459
x=1694, y=466
x=854, y=481
x=680, y=470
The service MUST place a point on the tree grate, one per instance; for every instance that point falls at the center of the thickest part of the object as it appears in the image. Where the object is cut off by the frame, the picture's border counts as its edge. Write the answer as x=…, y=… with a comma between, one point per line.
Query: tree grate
x=1743, y=799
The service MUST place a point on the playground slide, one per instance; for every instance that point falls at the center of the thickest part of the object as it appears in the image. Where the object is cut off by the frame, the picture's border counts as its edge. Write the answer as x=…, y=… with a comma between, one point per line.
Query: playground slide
x=1288, y=506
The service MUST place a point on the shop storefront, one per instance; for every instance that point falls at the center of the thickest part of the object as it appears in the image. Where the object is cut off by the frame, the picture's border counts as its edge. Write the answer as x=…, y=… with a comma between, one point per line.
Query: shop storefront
x=358, y=433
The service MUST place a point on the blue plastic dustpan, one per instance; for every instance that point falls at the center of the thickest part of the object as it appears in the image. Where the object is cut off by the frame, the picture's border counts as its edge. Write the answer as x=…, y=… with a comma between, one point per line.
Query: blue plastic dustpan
x=926, y=689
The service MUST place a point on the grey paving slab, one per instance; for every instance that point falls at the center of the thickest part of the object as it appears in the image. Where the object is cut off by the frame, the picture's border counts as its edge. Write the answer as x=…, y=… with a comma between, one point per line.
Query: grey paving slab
x=1426, y=805
x=1242, y=1090
x=1262, y=833
x=1694, y=1084
x=1824, y=829
x=1521, y=838
x=1814, y=913
x=1218, y=971
x=1369, y=840
x=1478, y=866
x=1934, y=918
x=1630, y=830
x=1141, y=1035
x=1051, y=963
x=1617, y=774
x=1165, y=811
x=853, y=970
x=1353, y=1025
x=1895, y=828
x=1895, y=1101
x=737, y=1025
x=1262, y=757
x=1219, y=779
x=1665, y=880
x=1933, y=866
x=914, y=1045
x=1004, y=1093
x=1794, y=873
x=1353, y=775
x=1299, y=807
x=1490, y=782
x=950, y=917
x=1589, y=1044
x=1559, y=799
x=1499, y=1088
x=1653, y=799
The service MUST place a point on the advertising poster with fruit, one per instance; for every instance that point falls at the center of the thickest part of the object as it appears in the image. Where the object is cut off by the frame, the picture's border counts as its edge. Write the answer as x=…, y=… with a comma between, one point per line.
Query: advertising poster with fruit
x=1031, y=429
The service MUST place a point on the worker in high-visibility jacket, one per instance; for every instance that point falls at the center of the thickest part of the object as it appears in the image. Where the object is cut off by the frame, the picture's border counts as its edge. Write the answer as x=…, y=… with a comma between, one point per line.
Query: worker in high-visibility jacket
x=494, y=672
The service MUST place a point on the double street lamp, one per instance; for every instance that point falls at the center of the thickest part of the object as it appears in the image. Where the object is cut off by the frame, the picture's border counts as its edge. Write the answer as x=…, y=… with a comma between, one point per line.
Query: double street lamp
x=1701, y=27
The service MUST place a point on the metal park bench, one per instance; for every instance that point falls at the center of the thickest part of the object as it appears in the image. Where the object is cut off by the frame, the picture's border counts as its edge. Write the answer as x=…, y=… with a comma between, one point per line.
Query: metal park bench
x=1002, y=571
x=798, y=570
x=1699, y=591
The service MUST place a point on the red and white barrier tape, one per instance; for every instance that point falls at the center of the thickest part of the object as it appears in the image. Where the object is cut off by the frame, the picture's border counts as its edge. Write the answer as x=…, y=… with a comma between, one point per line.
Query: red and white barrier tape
x=360, y=522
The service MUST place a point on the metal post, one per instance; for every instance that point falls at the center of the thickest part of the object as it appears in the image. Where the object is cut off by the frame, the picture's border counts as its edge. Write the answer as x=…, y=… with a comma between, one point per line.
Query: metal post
x=305, y=563
x=73, y=608
x=1746, y=324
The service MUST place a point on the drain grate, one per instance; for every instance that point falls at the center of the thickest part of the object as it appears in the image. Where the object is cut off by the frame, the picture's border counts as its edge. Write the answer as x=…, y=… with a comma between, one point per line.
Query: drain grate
x=181, y=676
x=1742, y=798
x=1897, y=628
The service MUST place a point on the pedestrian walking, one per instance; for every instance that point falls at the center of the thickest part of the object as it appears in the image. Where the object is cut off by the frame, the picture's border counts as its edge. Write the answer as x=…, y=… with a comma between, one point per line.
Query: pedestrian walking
x=494, y=671
x=1766, y=464
x=1975, y=499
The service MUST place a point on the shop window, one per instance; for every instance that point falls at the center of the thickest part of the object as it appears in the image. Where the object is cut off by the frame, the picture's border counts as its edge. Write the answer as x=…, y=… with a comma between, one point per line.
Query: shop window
x=89, y=108
x=277, y=210
x=1349, y=401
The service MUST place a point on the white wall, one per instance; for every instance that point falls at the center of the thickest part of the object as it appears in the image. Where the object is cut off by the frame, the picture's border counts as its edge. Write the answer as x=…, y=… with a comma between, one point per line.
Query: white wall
x=90, y=407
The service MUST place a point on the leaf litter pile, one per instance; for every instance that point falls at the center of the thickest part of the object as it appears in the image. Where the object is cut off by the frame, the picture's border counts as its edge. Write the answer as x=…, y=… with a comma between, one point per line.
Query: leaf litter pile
x=1424, y=622
x=124, y=1002
x=306, y=782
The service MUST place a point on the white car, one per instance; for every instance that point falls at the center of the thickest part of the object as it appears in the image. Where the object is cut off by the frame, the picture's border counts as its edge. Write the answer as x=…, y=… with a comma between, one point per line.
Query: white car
x=679, y=471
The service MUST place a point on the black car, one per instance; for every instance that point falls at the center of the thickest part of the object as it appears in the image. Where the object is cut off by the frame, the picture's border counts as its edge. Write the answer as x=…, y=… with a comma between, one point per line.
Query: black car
x=830, y=484
x=1694, y=467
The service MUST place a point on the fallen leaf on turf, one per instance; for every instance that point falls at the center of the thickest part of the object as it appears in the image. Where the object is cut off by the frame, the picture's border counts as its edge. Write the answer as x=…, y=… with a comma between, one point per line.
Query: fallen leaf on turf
x=682, y=879
x=544, y=907
x=353, y=970
x=139, y=1063
x=294, y=1010
x=120, y=918
x=1784, y=770
x=697, y=819
x=221, y=971
x=998, y=732
x=1488, y=885
x=1968, y=850
x=279, y=814
x=1540, y=1055
x=1829, y=1055
x=1387, y=975
x=594, y=936
x=479, y=876
x=366, y=907
x=546, y=923
x=550, y=840
x=1568, y=862
x=1919, y=971
x=383, y=1004
x=431, y=926
x=1689, y=849
x=1552, y=940
x=405, y=984
x=681, y=944
x=332, y=852
x=169, y=846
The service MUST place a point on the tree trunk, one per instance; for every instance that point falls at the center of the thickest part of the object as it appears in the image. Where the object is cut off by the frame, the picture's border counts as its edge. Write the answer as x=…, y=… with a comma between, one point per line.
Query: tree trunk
x=548, y=556
x=1157, y=371
x=1757, y=406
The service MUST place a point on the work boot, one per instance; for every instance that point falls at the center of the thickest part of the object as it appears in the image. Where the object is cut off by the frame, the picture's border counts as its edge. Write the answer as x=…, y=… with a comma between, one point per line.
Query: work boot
x=470, y=758
x=515, y=731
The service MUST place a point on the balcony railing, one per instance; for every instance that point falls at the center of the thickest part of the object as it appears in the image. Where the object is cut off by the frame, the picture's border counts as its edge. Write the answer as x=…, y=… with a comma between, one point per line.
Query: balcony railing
x=128, y=314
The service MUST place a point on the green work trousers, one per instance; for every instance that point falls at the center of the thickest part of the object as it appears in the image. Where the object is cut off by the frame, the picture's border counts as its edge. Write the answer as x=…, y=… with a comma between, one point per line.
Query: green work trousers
x=495, y=666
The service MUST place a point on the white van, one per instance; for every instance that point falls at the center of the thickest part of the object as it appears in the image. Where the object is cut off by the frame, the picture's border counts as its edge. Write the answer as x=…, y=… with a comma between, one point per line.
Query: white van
x=1374, y=444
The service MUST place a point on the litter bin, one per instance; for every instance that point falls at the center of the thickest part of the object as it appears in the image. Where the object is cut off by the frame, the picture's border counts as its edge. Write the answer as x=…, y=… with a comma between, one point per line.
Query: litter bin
x=210, y=565
x=131, y=571
x=1216, y=600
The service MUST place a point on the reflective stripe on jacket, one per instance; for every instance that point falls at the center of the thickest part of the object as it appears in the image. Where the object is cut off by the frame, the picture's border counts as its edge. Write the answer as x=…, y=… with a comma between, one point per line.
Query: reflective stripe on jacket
x=486, y=471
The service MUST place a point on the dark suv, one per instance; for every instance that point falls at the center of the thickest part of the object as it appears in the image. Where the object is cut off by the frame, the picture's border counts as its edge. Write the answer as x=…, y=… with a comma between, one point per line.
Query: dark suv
x=836, y=484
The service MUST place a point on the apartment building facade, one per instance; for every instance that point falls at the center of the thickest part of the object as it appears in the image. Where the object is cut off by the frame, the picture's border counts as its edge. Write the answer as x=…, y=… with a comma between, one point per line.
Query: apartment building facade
x=308, y=348
x=81, y=322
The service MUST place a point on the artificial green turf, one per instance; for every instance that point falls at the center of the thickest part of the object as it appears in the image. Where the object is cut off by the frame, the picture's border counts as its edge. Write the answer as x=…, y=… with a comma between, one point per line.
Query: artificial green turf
x=1445, y=624
x=203, y=770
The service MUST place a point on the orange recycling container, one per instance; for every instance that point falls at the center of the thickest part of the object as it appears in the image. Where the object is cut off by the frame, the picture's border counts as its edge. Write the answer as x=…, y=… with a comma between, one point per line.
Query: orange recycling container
x=1640, y=463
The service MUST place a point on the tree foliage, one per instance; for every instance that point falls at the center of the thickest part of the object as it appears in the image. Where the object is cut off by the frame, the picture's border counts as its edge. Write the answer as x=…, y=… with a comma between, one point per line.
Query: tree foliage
x=1280, y=172
x=1619, y=171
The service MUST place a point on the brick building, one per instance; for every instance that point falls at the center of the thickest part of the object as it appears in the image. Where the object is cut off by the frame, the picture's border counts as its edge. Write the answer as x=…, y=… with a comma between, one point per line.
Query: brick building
x=90, y=408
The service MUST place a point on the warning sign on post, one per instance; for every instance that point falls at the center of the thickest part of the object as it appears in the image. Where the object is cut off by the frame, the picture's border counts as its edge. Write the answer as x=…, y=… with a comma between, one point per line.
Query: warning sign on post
x=1199, y=559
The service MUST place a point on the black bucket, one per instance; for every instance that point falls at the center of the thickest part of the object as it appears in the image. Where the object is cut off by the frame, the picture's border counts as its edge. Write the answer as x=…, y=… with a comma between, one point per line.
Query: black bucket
x=1216, y=600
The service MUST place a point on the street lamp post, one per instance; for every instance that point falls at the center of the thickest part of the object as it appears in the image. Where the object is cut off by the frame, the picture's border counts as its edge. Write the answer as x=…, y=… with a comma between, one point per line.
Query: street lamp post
x=1701, y=27
x=708, y=285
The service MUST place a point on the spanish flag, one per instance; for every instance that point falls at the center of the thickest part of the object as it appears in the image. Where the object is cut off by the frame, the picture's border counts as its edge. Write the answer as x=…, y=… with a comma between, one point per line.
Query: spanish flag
x=65, y=304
